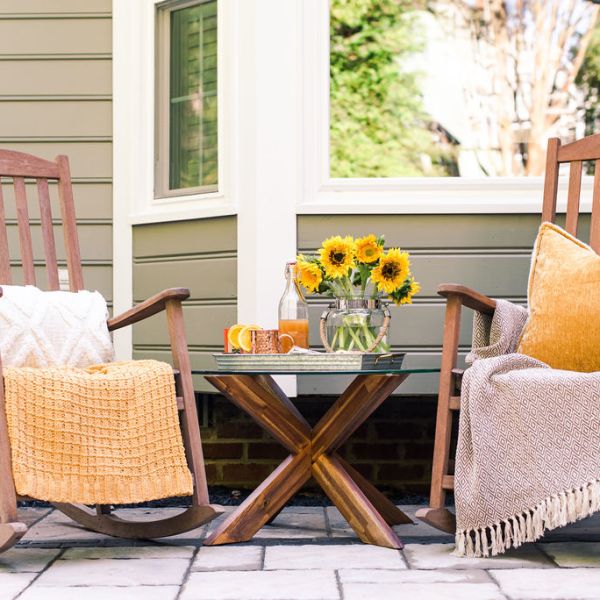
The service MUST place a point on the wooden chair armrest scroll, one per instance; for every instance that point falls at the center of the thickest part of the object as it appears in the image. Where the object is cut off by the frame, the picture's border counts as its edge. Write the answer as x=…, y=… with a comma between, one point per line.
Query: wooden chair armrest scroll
x=148, y=308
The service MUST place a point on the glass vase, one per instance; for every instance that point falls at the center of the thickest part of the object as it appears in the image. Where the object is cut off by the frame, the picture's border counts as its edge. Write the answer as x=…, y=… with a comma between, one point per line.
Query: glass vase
x=355, y=325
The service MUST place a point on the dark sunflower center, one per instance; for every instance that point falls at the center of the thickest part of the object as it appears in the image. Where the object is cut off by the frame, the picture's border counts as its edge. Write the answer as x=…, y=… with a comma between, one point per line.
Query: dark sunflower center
x=337, y=258
x=390, y=270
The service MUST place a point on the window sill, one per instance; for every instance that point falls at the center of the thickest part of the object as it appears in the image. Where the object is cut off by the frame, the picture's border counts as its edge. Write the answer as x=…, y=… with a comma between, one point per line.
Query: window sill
x=435, y=196
x=174, y=210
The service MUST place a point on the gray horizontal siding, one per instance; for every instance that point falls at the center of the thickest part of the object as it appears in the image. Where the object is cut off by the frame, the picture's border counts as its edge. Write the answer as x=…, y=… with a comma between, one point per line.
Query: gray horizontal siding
x=55, y=66
x=56, y=78
x=202, y=256
x=75, y=34
x=45, y=118
x=490, y=253
x=35, y=8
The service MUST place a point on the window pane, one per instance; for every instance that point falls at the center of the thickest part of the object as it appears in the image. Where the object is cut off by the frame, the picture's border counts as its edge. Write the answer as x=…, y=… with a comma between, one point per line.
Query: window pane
x=193, y=97
x=463, y=88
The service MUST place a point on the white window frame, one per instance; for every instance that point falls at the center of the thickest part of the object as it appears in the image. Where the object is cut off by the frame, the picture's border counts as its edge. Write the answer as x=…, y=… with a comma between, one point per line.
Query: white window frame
x=323, y=194
x=162, y=107
x=140, y=92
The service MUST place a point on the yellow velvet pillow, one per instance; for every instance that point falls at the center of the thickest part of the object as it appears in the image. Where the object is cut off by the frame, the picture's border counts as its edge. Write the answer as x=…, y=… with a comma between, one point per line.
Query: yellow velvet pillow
x=563, y=329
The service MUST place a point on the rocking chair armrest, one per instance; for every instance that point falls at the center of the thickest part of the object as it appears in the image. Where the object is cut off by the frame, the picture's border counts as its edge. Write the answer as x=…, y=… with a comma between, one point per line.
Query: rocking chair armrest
x=149, y=307
x=468, y=297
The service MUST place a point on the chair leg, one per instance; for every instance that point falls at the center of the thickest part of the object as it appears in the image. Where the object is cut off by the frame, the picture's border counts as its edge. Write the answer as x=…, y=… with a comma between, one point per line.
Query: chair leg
x=10, y=534
x=436, y=514
x=190, y=423
x=11, y=530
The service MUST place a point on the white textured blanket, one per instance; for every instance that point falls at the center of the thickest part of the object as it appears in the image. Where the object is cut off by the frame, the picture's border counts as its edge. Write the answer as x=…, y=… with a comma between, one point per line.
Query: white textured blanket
x=49, y=329
x=528, y=455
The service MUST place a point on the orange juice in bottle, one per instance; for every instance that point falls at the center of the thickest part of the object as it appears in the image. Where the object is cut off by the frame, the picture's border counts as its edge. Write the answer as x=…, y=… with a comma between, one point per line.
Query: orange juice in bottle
x=298, y=329
x=293, y=311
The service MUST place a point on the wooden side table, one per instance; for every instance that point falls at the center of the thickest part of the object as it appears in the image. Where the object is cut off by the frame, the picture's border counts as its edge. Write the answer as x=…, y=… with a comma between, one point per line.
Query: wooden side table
x=313, y=452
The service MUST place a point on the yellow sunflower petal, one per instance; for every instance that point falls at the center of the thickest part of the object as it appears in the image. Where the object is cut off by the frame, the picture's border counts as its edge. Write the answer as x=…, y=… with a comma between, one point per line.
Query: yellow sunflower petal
x=392, y=270
x=309, y=275
x=337, y=256
x=367, y=249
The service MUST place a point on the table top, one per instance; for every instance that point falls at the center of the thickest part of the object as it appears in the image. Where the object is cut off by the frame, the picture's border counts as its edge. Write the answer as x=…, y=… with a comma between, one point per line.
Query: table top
x=390, y=371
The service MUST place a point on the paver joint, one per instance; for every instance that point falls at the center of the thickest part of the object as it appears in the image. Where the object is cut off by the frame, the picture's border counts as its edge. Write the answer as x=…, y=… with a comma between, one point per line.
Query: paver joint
x=302, y=555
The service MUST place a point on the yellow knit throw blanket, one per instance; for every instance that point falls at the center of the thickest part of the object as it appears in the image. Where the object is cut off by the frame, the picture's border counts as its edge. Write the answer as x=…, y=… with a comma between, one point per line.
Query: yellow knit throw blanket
x=108, y=434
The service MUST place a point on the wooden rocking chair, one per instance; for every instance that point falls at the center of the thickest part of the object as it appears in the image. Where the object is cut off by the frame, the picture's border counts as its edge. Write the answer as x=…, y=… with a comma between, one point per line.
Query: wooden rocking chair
x=21, y=167
x=586, y=149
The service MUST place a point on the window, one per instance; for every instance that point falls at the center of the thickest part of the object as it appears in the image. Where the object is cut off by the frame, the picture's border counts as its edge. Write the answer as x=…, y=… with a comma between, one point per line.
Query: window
x=458, y=88
x=187, y=116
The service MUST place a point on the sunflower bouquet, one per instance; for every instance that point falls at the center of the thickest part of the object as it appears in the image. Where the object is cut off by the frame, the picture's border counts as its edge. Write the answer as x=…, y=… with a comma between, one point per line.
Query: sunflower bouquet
x=358, y=273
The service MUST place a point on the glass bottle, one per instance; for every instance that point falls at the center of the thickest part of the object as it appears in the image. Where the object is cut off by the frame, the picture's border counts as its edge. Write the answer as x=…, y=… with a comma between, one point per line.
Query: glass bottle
x=293, y=311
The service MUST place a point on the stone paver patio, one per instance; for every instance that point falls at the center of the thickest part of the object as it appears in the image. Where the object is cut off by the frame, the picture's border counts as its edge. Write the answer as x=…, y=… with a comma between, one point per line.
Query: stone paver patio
x=305, y=554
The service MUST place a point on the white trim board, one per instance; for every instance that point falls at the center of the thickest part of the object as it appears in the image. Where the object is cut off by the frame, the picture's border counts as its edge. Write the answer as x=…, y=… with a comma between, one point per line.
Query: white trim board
x=438, y=196
x=127, y=32
x=269, y=169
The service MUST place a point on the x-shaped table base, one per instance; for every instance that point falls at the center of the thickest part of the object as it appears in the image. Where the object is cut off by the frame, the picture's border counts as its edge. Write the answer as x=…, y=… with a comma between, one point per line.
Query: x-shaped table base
x=313, y=452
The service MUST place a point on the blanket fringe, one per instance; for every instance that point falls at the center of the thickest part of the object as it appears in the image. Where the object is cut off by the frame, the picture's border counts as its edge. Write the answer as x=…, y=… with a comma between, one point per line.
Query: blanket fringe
x=552, y=512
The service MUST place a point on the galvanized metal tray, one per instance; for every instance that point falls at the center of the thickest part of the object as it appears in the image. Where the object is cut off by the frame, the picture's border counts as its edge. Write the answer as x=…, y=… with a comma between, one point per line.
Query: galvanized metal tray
x=309, y=362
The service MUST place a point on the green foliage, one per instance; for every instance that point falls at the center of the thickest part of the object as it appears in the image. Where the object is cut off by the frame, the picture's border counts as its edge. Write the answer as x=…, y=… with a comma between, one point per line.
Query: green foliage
x=589, y=79
x=377, y=124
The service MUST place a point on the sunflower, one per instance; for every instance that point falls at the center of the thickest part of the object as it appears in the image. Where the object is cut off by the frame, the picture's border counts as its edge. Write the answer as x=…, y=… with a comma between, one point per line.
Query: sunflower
x=368, y=249
x=392, y=270
x=309, y=274
x=413, y=289
x=337, y=256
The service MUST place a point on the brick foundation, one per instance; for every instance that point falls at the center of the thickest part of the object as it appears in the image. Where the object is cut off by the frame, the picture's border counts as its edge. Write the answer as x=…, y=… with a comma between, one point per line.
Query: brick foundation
x=394, y=448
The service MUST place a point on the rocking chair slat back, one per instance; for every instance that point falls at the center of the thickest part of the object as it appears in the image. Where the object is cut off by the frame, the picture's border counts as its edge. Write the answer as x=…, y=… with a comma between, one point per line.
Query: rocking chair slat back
x=24, y=231
x=22, y=169
x=48, y=233
x=67, y=209
x=5, y=274
x=573, y=198
x=19, y=164
x=575, y=153
x=551, y=181
x=595, y=223
x=587, y=148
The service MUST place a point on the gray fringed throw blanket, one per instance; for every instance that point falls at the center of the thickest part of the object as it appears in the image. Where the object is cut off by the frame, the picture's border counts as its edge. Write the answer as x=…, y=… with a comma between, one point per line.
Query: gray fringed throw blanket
x=528, y=455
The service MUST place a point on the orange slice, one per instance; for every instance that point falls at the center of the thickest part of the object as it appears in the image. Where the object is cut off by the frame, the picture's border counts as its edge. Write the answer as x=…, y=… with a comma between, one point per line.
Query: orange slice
x=233, y=335
x=244, y=337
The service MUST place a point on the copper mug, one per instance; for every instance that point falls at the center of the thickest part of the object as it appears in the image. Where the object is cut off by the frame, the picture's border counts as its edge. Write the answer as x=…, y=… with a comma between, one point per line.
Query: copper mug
x=267, y=341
